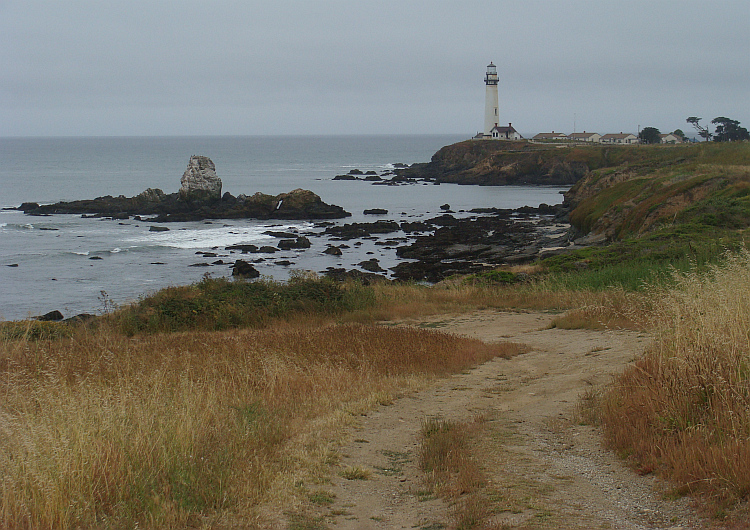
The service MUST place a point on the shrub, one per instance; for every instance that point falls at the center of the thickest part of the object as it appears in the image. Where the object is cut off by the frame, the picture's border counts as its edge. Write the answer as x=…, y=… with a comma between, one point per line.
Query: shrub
x=682, y=409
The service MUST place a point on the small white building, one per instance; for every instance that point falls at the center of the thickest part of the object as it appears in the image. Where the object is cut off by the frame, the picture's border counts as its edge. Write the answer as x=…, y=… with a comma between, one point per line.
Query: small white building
x=505, y=133
x=670, y=138
x=585, y=137
x=619, y=138
x=550, y=136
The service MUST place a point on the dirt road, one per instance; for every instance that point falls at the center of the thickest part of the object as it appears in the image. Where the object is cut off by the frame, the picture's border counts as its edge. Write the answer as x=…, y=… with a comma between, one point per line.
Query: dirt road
x=546, y=471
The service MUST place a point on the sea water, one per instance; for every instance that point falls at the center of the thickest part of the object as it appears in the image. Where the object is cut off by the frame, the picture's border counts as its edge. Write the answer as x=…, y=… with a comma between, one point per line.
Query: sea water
x=76, y=265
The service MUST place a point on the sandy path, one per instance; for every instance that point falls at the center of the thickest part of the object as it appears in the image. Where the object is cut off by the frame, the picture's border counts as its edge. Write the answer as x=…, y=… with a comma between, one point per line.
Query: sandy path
x=547, y=471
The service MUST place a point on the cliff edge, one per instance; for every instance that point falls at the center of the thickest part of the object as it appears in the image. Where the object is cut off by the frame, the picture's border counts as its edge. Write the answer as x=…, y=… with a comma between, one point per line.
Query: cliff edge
x=496, y=163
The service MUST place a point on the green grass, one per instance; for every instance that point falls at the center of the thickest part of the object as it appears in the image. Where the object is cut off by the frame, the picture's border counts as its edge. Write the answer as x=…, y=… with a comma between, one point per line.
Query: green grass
x=219, y=304
x=634, y=263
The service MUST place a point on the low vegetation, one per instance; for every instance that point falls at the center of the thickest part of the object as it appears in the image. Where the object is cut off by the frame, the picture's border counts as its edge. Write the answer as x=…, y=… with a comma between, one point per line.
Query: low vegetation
x=157, y=430
x=683, y=409
x=201, y=404
x=452, y=471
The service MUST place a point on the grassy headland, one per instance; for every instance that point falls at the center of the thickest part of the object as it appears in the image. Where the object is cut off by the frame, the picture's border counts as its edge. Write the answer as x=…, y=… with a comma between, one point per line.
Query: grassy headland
x=200, y=405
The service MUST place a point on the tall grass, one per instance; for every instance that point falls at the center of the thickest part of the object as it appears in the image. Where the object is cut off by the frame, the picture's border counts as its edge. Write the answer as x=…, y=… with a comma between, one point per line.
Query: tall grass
x=683, y=409
x=452, y=471
x=195, y=428
x=218, y=304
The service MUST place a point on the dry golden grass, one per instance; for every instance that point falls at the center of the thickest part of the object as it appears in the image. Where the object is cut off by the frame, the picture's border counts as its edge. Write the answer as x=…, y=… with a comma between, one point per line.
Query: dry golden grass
x=195, y=428
x=452, y=471
x=684, y=408
x=399, y=301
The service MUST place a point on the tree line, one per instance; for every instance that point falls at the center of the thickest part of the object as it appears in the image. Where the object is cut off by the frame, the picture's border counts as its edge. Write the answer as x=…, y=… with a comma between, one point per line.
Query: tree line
x=727, y=130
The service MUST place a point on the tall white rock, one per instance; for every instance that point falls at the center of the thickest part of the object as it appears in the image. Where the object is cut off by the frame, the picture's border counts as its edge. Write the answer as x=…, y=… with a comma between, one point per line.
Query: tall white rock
x=200, y=180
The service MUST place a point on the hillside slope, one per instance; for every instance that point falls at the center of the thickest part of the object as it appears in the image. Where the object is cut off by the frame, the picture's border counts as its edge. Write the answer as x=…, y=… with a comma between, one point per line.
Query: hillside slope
x=698, y=187
x=491, y=163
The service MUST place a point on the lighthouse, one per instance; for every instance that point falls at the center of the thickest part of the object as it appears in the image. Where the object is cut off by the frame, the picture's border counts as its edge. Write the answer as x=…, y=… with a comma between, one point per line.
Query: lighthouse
x=490, y=100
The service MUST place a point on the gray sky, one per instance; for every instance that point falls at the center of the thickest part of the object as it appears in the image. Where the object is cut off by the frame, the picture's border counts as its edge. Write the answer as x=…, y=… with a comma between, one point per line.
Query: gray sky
x=188, y=67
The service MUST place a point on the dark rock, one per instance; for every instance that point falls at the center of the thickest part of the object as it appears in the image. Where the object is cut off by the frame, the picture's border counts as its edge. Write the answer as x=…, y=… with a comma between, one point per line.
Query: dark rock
x=417, y=226
x=283, y=262
x=243, y=269
x=299, y=243
x=373, y=178
x=52, y=316
x=463, y=246
x=371, y=265
x=12, y=265
x=243, y=248
x=365, y=278
x=445, y=207
x=297, y=204
x=267, y=249
x=355, y=172
x=200, y=265
x=345, y=177
x=80, y=318
x=333, y=251
x=158, y=229
x=375, y=211
x=358, y=230
x=287, y=235
x=436, y=271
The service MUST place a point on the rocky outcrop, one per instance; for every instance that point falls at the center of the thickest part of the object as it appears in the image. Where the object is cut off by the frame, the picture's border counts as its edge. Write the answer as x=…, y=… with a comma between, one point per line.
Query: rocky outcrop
x=489, y=163
x=470, y=245
x=200, y=182
x=242, y=269
x=199, y=198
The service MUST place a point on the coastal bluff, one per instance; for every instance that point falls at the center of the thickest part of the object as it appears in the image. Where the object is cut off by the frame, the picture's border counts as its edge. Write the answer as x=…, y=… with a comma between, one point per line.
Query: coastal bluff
x=497, y=163
x=199, y=198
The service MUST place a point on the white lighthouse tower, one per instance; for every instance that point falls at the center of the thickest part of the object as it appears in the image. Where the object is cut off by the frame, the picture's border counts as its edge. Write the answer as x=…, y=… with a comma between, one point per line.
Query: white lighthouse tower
x=490, y=100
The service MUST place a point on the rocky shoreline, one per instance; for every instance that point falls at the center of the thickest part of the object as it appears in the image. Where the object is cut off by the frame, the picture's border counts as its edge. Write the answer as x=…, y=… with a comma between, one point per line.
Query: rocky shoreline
x=198, y=199
x=434, y=249
x=427, y=250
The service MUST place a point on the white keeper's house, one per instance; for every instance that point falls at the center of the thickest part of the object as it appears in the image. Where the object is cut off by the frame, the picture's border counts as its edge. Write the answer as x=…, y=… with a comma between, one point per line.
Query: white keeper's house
x=550, y=136
x=585, y=137
x=619, y=138
x=670, y=138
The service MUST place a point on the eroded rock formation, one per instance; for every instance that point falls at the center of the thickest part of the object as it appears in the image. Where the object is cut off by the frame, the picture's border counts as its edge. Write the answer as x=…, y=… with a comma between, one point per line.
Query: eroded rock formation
x=200, y=181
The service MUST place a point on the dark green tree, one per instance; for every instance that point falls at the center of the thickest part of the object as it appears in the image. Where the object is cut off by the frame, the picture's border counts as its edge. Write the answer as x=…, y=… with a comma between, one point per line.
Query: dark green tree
x=729, y=130
x=703, y=132
x=679, y=134
x=649, y=135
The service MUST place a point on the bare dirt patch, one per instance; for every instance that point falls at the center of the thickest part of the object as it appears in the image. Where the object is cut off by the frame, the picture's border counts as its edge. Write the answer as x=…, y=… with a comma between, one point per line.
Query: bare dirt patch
x=545, y=469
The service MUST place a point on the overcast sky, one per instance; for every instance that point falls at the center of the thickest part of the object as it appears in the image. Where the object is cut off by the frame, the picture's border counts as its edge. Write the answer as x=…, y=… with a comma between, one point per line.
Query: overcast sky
x=221, y=67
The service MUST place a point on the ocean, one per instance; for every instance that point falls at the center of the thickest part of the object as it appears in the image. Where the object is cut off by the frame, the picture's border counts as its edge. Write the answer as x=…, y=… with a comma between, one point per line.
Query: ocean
x=76, y=265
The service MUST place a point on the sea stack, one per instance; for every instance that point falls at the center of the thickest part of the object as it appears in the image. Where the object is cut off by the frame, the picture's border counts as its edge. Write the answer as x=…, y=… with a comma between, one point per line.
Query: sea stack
x=200, y=182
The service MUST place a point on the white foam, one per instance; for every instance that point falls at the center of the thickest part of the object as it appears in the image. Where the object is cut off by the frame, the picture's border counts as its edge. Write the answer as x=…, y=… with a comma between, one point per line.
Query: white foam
x=82, y=253
x=213, y=237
